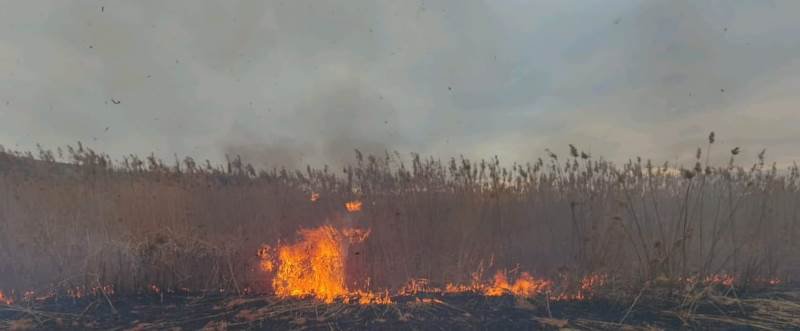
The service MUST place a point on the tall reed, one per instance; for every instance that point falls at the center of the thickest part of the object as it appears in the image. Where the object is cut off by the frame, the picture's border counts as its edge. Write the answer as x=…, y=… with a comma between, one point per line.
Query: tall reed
x=75, y=218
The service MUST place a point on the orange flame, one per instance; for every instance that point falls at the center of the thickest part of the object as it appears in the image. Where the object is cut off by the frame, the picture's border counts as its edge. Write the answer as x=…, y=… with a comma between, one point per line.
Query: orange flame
x=5, y=300
x=524, y=286
x=314, y=266
x=366, y=298
x=314, y=196
x=416, y=285
x=265, y=254
x=353, y=206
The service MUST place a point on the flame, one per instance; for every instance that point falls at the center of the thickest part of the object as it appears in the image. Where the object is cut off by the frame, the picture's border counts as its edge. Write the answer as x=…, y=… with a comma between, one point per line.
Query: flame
x=5, y=300
x=524, y=286
x=314, y=196
x=726, y=280
x=314, y=266
x=367, y=297
x=353, y=206
x=723, y=279
x=586, y=287
x=265, y=254
x=415, y=286
x=79, y=292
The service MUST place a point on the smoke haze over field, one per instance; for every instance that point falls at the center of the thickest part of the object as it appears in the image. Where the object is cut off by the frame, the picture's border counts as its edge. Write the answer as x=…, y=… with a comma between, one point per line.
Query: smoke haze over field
x=293, y=82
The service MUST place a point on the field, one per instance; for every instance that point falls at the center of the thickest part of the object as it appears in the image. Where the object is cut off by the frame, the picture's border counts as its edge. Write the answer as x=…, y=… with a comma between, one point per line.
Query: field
x=440, y=238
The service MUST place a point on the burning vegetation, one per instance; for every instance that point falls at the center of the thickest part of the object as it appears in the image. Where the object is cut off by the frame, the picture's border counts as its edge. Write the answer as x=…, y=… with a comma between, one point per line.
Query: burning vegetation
x=314, y=266
x=402, y=233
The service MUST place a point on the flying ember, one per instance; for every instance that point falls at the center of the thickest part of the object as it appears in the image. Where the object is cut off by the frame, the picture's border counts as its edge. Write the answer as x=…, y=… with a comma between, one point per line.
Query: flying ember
x=353, y=206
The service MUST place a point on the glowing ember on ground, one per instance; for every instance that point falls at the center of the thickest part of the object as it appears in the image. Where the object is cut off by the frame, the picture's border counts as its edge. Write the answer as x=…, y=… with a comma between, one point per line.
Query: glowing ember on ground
x=726, y=280
x=353, y=206
x=82, y=291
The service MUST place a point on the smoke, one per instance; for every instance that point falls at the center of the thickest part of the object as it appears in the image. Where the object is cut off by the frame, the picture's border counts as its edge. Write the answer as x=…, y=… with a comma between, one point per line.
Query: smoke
x=289, y=83
x=338, y=115
x=663, y=75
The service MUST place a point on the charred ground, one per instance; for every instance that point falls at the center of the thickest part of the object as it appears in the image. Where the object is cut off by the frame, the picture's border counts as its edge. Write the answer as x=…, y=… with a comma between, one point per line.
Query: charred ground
x=655, y=309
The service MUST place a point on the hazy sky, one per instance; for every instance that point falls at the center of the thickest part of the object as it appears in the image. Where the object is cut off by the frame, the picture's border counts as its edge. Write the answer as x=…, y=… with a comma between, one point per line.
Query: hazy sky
x=295, y=81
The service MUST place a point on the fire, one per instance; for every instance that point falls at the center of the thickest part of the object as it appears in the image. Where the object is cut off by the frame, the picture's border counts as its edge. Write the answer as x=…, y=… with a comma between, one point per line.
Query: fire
x=81, y=292
x=314, y=266
x=264, y=253
x=458, y=288
x=416, y=285
x=726, y=280
x=524, y=286
x=353, y=206
x=314, y=196
x=367, y=297
x=723, y=279
x=588, y=284
x=5, y=300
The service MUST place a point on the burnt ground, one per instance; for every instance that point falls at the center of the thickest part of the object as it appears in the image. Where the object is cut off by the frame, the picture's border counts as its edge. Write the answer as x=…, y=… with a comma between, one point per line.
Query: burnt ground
x=651, y=310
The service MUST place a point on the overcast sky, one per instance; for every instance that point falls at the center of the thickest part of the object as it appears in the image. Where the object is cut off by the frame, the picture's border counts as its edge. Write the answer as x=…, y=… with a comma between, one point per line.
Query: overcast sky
x=295, y=81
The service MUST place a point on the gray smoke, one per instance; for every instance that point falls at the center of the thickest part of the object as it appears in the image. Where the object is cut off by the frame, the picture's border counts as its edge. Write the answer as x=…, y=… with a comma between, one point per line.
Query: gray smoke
x=285, y=83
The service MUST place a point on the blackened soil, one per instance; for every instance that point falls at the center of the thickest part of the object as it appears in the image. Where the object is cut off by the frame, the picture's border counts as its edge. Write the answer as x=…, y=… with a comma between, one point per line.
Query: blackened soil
x=419, y=312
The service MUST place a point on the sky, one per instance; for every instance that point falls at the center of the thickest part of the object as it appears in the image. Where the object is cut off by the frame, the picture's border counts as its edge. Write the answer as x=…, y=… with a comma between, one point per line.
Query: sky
x=286, y=83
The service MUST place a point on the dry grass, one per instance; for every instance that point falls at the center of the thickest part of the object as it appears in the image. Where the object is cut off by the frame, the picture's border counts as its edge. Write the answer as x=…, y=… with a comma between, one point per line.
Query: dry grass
x=85, y=221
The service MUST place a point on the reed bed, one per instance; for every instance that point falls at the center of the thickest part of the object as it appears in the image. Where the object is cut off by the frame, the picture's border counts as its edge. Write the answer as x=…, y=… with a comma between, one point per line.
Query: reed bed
x=74, y=220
